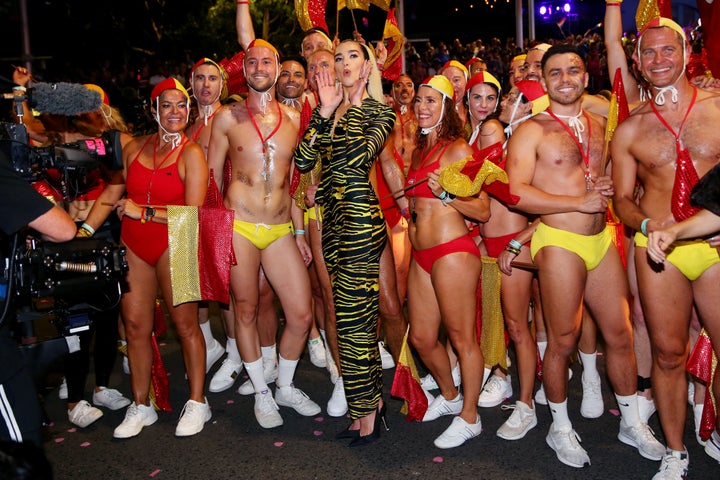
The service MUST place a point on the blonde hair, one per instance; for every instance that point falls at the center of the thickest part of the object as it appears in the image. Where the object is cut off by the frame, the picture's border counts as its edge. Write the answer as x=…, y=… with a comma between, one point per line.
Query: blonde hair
x=374, y=86
x=87, y=123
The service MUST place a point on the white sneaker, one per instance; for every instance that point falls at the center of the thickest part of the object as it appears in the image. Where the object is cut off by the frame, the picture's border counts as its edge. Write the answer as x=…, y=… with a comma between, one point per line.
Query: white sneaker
x=641, y=437
x=213, y=354
x=592, y=401
x=540, y=397
x=440, y=406
x=495, y=391
x=458, y=433
x=84, y=414
x=646, y=408
x=266, y=410
x=296, y=399
x=522, y=420
x=566, y=444
x=136, y=417
x=674, y=466
x=387, y=359
x=270, y=370
x=316, y=348
x=337, y=405
x=225, y=375
x=712, y=446
x=193, y=418
x=697, y=416
x=126, y=365
x=428, y=381
x=110, y=398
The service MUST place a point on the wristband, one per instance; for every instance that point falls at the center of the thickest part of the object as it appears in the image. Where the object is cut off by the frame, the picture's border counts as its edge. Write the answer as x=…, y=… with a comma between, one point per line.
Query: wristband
x=612, y=4
x=299, y=231
x=449, y=198
x=643, y=226
x=84, y=232
x=515, y=244
x=143, y=218
x=405, y=212
x=20, y=88
x=87, y=227
x=243, y=2
x=442, y=195
x=509, y=248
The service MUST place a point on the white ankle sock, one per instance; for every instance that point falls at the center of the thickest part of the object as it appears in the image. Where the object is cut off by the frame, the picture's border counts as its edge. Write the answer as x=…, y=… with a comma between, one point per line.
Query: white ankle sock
x=286, y=371
x=627, y=405
x=255, y=372
x=589, y=363
x=269, y=353
x=232, y=350
x=207, y=334
x=560, y=414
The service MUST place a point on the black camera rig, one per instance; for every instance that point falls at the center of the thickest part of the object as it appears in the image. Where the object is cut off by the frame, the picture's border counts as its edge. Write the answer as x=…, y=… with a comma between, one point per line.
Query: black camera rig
x=71, y=161
x=63, y=282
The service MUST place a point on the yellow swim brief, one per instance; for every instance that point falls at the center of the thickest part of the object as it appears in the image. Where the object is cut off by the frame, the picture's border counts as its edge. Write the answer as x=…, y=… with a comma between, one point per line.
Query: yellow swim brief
x=691, y=257
x=591, y=248
x=314, y=213
x=260, y=234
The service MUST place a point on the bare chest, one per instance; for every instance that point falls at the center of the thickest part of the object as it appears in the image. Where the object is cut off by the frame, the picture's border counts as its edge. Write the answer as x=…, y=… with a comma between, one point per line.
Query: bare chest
x=656, y=147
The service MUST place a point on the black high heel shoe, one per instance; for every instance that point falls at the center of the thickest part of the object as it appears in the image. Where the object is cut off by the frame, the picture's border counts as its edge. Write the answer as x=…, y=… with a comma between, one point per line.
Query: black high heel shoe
x=347, y=433
x=362, y=440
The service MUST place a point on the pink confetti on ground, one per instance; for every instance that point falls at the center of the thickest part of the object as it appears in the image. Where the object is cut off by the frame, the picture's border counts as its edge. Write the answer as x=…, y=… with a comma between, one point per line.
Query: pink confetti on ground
x=155, y=472
x=162, y=344
x=599, y=354
x=85, y=444
x=59, y=439
x=278, y=444
x=72, y=430
x=319, y=419
x=230, y=402
x=614, y=412
x=438, y=460
x=317, y=433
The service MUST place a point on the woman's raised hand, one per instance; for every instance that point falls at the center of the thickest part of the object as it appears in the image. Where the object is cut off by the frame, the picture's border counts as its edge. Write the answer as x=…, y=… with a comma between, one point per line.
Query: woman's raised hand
x=329, y=92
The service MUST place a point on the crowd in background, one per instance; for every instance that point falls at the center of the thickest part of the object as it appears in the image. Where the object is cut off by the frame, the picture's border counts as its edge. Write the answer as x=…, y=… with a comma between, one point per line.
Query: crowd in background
x=129, y=85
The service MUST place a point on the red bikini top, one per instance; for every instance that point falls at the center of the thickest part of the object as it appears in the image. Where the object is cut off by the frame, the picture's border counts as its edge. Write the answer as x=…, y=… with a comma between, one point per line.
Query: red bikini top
x=418, y=177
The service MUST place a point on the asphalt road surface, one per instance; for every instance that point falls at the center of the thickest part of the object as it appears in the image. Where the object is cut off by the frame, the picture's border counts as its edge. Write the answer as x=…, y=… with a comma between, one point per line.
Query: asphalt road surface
x=234, y=446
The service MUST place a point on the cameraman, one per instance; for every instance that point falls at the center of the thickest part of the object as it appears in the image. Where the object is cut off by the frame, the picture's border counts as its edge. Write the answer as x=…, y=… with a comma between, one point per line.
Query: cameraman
x=20, y=206
x=60, y=129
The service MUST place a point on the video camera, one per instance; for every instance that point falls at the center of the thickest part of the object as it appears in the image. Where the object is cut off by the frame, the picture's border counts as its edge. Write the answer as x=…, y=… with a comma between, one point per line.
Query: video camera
x=61, y=282
x=73, y=159
x=64, y=282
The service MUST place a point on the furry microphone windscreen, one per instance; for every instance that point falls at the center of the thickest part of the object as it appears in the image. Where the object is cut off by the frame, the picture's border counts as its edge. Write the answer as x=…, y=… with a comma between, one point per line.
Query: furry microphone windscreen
x=63, y=98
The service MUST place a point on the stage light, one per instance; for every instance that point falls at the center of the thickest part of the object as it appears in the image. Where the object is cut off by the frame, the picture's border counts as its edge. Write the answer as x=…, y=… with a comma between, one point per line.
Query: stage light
x=566, y=8
x=543, y=10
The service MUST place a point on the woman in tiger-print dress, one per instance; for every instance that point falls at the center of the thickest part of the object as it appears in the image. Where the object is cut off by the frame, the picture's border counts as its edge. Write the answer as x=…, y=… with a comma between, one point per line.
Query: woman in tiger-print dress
x=347, y=131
